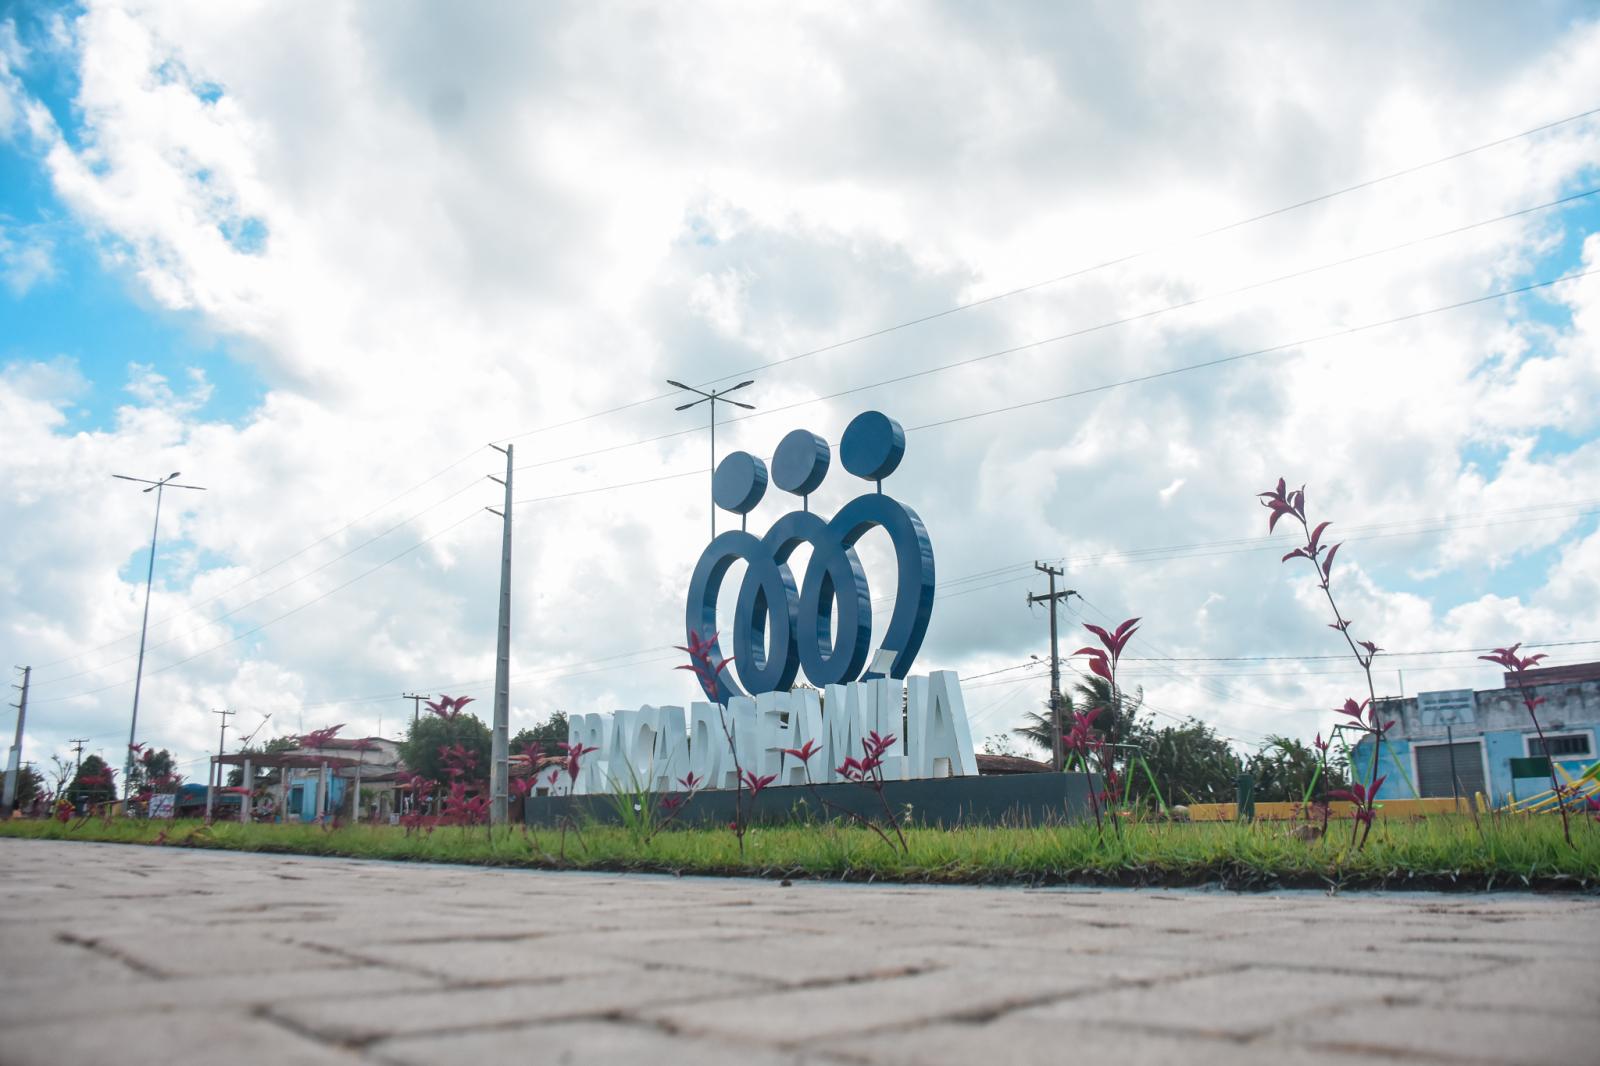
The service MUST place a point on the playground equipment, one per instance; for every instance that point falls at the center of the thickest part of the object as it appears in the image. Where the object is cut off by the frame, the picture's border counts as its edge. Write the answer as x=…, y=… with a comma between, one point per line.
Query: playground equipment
x=1579, y=789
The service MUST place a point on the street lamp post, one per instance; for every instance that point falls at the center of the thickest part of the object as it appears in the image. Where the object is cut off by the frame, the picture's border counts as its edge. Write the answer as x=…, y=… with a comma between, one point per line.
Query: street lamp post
x=712, y=398
x=138, y=673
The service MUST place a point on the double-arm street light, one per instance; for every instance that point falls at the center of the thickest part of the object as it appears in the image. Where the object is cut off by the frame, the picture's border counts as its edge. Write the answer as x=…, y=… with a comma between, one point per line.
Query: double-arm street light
x=138, y=673
x=712, y=398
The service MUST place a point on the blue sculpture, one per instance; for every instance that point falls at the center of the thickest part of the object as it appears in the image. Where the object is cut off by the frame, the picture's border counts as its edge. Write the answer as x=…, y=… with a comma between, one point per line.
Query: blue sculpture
x=781, y=627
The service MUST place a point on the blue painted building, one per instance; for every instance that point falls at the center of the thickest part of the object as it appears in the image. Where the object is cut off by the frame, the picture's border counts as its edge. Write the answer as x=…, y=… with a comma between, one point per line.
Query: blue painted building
x=302, y=802
x=303, y=774
x=1465, y=739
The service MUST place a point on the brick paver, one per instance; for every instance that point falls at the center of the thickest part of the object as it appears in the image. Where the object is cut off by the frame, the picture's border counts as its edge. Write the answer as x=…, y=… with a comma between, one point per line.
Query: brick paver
x=140, y=954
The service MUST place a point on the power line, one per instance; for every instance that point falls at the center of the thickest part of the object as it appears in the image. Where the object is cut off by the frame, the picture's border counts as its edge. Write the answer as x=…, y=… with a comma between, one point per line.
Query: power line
x=1348, y=331
x=213, y=620
x=281, y=562
x=1085, y=270
x=271, y=621
x=909, y=376
x=1214, y=691
x=1024, y=568
x=1223, y=360
x=1256, y=544
x=1075, y=333
x=1423, y=525
x=1213, y=231
x=1167, y=308
x=1346, y=658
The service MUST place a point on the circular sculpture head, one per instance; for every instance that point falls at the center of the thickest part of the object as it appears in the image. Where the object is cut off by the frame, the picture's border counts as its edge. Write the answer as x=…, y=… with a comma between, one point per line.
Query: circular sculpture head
x=740, y=482
x=872, y=446
x=800, y=463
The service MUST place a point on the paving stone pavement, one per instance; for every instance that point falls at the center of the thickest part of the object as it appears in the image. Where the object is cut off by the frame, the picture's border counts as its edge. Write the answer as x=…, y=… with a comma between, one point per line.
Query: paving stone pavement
x=134, y=955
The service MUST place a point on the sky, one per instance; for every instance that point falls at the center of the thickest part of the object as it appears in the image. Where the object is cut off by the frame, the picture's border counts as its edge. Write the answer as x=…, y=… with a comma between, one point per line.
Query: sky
x=1115, y=269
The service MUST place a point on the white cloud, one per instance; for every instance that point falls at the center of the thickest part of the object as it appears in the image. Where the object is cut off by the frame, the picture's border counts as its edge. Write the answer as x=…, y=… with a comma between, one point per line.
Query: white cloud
x=431, y=228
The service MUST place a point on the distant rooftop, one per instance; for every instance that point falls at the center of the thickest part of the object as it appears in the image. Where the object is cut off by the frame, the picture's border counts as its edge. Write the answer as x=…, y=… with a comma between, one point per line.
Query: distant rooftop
x=1570, y=674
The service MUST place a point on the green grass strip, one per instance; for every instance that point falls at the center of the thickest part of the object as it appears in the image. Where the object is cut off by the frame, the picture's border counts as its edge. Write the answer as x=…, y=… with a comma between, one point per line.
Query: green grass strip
x=1445, y=852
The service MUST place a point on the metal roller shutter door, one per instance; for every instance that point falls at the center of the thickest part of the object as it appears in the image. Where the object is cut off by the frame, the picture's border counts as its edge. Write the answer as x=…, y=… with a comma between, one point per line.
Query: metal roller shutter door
x=1433, y=769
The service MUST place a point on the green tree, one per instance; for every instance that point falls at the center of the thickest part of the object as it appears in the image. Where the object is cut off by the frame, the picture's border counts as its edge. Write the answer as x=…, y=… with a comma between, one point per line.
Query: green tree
x=546, y=734
x=93, y=782
x=29, y=784
x=1117, y=722
x=271, y=747
x=1284, y=769
x=1190, y=762
x=152, y=765
x=420, y=750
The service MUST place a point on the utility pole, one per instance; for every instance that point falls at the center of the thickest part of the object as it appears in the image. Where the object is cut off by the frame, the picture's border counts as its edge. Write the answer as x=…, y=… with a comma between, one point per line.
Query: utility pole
x=1450, y=746
x=150, y=572
x=416, y=705
x=712, y=398
x=14, y=761
x=77, y=744
x=1052, y=598
x=214, y=781
x=500, y=743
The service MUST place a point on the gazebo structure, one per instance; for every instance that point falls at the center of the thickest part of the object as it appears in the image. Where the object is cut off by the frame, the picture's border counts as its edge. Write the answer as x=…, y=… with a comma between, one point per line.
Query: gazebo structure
x=284, y=762
x=326, y=766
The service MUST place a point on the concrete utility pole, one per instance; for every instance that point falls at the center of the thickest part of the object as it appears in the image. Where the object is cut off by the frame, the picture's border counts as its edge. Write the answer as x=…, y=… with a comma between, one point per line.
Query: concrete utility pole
x=1052, y=598
x=77, y=744
x=149, y=577
x=14, y=762
x=1450, y=746
x=416, y=705
x=500, y=744
x=712, y=398
x=214, y=781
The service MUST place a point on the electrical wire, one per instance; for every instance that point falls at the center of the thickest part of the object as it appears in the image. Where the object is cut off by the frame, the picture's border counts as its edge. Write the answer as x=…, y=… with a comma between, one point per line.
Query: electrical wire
x=878, y=384
x=274, y=620
x=1090, y=269
x=1060, y=337
x=1303, y=342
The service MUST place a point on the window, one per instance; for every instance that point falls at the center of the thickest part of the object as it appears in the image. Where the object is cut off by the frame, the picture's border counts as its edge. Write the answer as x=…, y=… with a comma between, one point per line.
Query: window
x=1560, y=747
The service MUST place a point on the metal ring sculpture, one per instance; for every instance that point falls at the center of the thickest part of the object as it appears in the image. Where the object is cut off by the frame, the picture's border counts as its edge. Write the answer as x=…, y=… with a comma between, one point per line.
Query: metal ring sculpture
x=781, y=626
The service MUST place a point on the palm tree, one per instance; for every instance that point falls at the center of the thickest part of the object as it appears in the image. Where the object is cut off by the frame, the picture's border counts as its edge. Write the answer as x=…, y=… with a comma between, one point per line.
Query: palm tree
x=1114, y=725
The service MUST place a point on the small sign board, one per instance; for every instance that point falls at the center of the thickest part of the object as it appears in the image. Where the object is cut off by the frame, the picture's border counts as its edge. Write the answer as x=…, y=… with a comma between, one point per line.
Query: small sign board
x=1454, y=707
x=1533, y=766
x=163, y=805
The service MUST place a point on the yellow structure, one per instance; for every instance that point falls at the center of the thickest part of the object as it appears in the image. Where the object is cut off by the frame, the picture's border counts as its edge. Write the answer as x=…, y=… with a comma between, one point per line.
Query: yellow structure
x=1287, y=812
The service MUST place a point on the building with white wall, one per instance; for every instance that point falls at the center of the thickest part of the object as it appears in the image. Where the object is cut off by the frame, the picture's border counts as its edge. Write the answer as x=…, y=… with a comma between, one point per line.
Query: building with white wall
x=1467, y=740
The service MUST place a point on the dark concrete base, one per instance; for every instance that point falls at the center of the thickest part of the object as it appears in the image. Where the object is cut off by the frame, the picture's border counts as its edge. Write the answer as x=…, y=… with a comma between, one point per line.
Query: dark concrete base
x=1013, y=800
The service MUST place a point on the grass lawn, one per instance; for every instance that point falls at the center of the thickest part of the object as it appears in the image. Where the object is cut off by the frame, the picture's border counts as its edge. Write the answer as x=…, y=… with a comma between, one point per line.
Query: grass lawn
x=1445, y=852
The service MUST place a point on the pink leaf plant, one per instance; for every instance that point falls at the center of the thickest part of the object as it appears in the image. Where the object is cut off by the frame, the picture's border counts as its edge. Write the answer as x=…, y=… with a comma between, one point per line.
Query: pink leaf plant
x=1519, y=665
x=702, y=664
x=574, y=754
x=318, y=739
x=448, y=707
x=867, y=771
x=1282, y=502
x=1363, y=796
x=1103, y=661
x=708, y=670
